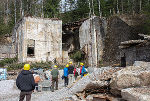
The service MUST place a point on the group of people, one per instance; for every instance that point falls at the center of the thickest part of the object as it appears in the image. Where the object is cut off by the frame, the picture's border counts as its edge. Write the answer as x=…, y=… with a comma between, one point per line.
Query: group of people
x=27, y=81
x=71, y=73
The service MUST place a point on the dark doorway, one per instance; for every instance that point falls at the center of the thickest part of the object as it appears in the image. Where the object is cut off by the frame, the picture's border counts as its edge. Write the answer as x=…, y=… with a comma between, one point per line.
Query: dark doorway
x=123, y=61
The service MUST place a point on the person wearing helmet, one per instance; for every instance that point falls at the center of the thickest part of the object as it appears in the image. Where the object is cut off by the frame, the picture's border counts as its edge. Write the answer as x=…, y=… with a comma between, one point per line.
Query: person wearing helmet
x=55, y=74
x=71, y=74
x=66, y=75
x=82, y=69
x=25, y=83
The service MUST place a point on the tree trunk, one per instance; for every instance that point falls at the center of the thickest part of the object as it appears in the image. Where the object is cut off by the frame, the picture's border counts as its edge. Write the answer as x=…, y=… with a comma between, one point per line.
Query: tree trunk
x=122, y=6
x=140, y=5
x=15, y=11
x=99, y=6
x=42, y=9
x=93, y=7
x=89, y=8
x=117, y=7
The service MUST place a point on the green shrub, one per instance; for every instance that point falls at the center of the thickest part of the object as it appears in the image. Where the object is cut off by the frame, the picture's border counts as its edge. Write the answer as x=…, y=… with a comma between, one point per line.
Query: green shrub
x=8, y=61
x=15, y=66
x=77, y=56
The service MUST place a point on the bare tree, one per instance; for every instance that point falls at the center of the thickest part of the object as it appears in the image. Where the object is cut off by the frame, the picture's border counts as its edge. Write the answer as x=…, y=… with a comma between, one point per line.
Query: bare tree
x=7, y=9
x=21, y=11
x=140, y=5
x=99, y=6
x=93, y=8
x=42, y=9
x=117, y=7
x=15, y=11
x=89, y=8
x=122, y=6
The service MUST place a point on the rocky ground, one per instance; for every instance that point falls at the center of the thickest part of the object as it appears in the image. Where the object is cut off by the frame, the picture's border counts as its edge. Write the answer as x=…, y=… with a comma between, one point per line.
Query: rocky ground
x=103, y=84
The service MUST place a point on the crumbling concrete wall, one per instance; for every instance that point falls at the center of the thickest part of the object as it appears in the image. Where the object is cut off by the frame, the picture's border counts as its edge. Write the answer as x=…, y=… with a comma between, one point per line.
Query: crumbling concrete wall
x=7, y=48
x=44, y=35
x=117, y=32
x=7, y=51
x=92, y=35
x=136, y=53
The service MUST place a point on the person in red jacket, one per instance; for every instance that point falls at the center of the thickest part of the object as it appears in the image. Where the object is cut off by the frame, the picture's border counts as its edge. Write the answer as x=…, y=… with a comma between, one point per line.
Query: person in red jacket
x=75, y=73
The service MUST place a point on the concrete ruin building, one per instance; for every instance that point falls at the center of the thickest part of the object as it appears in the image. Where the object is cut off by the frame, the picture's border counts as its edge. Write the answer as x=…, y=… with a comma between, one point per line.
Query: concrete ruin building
x=135, y=50
x=39, y=39
x=99, y=38
x=92, y=36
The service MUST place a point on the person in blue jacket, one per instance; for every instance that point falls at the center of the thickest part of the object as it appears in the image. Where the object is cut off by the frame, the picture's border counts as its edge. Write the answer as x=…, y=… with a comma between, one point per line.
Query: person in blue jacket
x=66, y=75
x=82, y=70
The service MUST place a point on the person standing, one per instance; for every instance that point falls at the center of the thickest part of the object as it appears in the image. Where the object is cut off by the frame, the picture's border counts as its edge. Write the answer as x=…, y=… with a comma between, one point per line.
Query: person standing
x=75, y=73
x=70, y=71
x=82, y=69
x=25, y=83
x=55, y=74
x=66, y=75
x=37, y=79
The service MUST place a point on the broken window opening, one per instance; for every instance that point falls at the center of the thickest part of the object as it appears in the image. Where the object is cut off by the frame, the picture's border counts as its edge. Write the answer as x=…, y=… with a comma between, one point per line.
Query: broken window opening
x=31, y=48
x=30, y=51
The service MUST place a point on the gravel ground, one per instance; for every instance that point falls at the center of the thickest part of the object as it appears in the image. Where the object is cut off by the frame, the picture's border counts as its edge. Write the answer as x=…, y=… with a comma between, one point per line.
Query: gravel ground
x=45, y=95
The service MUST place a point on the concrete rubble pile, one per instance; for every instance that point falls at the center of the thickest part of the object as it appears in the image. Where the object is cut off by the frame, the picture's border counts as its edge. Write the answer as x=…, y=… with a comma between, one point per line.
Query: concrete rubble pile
x=129, y=82
x=136, y=94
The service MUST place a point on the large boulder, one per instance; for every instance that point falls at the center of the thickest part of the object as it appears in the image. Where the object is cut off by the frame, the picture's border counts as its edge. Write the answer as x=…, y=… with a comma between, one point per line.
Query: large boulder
x=97, y=79
x=132, y=76
x=136, y=94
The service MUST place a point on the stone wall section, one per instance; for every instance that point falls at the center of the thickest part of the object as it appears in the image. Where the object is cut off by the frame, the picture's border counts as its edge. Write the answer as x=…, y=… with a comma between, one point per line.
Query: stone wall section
x=91, y=36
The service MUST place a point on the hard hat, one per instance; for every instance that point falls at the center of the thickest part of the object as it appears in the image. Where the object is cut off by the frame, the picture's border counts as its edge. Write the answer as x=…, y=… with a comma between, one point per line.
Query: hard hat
x=55, y=66
x=70, y=62
x=81, y=64
x=26, y=67
x=67, y=65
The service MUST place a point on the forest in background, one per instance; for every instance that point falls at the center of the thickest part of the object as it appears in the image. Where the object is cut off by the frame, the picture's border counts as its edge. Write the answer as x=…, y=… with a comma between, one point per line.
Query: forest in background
x=69, y=10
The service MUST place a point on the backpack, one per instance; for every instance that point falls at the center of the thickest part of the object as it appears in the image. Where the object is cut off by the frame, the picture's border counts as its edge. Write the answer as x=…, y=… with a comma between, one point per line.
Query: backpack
x=76, y=73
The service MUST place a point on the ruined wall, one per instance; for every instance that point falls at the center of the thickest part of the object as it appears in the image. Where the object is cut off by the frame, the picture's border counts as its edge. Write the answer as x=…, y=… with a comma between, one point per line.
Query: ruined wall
x=45, y=35
x=136, y=53
x=91, y=34
x=7, y=51
x=7, y=48
x=117, y=32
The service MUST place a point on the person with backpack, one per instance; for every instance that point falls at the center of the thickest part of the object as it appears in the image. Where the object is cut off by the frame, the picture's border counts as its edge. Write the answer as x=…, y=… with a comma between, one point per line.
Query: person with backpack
x=55, y=74
x=82, y=70
x=70, y=71
x=75, y=73
x=25, y=82
x=65, y=76
x=37, y=79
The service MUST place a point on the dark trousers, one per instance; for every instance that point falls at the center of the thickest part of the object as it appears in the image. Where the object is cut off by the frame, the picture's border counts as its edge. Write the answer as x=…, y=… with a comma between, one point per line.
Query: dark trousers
x=75, y=77
x=55, y=81
x=36, y=86
x=66, y=81
x=27, y=94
